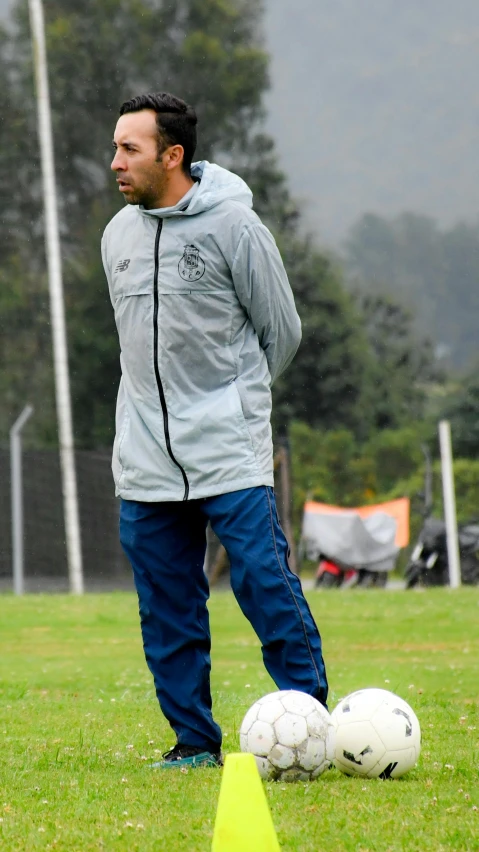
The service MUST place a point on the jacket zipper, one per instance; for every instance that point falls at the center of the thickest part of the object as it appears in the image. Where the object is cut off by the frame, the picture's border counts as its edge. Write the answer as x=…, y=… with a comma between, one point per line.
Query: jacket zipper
x=156, y=365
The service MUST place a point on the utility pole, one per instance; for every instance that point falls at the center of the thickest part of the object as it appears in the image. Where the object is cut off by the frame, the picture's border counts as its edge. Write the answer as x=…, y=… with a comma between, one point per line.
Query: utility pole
x=57, y=307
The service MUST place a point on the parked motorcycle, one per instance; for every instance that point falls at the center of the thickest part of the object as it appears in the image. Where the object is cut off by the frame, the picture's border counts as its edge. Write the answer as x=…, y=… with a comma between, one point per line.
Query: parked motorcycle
x=428, y=565
x=330, y=575
x=352, y=550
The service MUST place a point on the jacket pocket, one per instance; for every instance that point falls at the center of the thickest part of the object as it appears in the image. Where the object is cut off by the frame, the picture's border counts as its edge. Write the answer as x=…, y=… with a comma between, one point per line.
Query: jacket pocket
x=242, y=416
x=117, y=461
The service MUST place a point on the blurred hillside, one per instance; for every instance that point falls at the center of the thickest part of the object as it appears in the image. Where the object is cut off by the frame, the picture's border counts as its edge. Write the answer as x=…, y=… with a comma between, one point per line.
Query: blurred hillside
x=433, y=272
x=374, y=107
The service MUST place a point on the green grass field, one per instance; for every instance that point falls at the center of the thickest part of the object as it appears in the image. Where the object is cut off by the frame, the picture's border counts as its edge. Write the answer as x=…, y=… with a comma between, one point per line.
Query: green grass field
x=79, y=724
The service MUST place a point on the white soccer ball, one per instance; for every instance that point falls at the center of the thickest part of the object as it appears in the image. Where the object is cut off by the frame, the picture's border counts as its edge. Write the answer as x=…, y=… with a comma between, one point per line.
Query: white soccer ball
x=377, y=734
x=291, y=736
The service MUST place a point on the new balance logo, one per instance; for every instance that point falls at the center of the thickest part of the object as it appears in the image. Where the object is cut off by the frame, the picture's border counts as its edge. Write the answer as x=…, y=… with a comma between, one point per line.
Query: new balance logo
x=122, y=265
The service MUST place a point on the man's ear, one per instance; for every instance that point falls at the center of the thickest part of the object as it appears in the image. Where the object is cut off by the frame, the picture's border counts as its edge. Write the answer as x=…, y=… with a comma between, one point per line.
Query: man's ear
x=173, y=157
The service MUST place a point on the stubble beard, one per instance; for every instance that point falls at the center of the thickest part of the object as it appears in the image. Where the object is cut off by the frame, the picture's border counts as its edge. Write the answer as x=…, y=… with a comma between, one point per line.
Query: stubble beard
x=151, y=193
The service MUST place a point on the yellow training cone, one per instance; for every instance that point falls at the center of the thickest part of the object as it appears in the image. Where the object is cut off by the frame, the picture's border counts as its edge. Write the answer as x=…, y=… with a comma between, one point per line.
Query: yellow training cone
x=243, y=820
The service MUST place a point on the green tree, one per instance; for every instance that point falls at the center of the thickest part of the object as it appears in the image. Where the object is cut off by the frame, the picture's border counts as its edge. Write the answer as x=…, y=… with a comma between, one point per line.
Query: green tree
x=25, y=349
x=403, y=364
x=396, y=454
x=331, y=467
x=462, y=409
x=326, y=386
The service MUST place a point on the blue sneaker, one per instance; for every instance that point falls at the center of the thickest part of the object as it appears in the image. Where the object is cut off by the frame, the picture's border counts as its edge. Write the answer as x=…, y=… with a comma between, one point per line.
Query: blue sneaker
x=188, y=757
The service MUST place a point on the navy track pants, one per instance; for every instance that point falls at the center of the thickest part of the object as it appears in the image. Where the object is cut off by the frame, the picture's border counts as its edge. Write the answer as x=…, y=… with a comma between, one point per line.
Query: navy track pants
x=166, y=545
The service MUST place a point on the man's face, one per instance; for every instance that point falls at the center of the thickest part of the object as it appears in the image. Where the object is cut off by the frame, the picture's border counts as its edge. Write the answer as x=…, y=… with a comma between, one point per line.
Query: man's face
x=141, y=176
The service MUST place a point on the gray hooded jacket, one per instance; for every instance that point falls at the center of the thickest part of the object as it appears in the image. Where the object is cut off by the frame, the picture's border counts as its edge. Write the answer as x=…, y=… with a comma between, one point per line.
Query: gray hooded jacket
x=206, y=321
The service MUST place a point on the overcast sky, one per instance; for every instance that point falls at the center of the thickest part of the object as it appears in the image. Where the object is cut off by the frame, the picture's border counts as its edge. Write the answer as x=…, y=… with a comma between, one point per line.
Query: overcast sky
x=374, y=106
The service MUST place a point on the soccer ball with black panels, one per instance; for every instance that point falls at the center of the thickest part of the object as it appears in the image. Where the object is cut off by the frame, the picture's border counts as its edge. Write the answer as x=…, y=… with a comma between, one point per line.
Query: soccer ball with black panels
x=377, y=734
x=291, y=736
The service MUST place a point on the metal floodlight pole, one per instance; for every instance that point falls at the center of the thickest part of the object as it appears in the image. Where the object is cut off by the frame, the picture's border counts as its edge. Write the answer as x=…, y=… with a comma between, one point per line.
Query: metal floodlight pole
x=17, y=499
x=57, y=308
x=449, y=504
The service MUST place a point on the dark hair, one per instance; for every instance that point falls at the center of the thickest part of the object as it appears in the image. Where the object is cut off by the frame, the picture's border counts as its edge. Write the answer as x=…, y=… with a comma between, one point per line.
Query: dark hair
x=176, y=121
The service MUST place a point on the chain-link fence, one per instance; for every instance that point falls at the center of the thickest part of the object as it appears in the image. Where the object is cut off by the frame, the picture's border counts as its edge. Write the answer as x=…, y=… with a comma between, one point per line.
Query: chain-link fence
x=45, y=558
x=104, y=564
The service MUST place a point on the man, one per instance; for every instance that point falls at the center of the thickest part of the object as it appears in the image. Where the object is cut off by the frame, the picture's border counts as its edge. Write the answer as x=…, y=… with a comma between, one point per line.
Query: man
x=206, y=321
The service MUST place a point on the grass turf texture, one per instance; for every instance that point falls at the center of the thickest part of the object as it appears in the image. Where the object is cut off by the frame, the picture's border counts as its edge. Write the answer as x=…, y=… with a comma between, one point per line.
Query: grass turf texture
x=79, y=724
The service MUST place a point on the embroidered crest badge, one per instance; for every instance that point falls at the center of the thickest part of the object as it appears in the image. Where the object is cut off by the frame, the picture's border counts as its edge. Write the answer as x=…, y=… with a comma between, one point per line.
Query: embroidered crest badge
x=191, y=266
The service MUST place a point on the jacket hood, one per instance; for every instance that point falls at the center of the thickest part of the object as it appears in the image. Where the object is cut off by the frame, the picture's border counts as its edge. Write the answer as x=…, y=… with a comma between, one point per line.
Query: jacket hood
x=215, y=185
